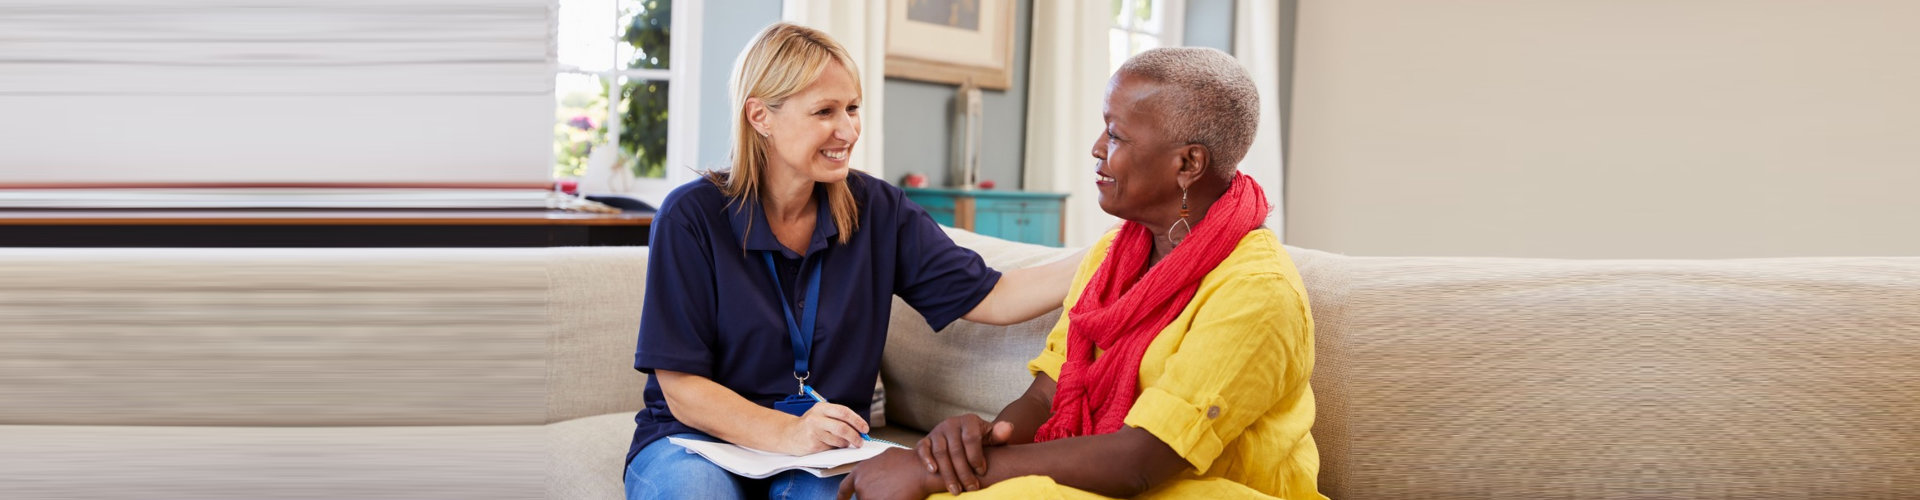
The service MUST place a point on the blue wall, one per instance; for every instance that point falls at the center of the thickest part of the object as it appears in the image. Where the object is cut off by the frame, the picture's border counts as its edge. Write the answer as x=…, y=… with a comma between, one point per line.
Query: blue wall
x=920, y=121
x=919, y=115
x=726, y=29
x=1210, y=24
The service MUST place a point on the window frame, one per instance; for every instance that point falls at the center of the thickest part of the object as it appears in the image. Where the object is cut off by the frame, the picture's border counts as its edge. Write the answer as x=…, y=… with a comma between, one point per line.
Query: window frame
x=683, y=99
x=1172, y=16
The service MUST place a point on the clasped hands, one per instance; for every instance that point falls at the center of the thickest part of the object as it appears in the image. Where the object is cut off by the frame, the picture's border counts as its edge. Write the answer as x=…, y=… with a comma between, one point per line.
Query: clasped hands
x=952, y=458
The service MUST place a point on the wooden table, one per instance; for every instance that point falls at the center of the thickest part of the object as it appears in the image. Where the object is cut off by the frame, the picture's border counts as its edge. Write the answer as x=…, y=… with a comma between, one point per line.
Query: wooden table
x=319, y=228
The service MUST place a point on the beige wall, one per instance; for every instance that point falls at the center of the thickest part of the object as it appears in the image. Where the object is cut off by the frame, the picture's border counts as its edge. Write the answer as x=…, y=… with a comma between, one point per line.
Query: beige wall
x=1606, y=128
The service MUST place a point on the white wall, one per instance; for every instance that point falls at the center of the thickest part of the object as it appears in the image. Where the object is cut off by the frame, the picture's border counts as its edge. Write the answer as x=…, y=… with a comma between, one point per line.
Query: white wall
x=1602, y=128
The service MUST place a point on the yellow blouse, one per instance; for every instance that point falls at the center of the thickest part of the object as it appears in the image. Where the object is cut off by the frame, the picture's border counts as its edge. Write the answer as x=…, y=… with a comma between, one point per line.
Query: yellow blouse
x=1226, y=383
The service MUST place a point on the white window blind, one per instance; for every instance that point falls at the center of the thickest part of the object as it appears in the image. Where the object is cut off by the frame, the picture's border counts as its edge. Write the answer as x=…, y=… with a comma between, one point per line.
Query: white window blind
x=276, y=91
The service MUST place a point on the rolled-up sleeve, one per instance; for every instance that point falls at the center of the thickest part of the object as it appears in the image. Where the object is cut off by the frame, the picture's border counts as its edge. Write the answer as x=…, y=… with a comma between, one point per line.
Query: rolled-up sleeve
x=1055, y=355
x=1229, y=369
x=677, y=330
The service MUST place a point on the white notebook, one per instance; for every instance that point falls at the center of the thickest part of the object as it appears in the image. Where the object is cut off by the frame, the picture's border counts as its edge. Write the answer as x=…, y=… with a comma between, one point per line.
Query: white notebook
x=758, y=464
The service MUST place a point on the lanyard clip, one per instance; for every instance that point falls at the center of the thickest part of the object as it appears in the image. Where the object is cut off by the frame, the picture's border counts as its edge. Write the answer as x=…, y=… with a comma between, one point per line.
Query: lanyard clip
x=801, y=377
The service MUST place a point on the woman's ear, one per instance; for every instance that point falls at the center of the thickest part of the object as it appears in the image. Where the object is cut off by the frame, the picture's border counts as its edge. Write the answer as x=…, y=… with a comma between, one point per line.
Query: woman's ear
x=759, y=116
x=1194, y=162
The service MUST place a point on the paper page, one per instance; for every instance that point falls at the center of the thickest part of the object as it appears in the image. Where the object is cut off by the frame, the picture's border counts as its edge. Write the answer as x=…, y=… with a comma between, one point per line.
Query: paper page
x=758, y=464
x=829, y=472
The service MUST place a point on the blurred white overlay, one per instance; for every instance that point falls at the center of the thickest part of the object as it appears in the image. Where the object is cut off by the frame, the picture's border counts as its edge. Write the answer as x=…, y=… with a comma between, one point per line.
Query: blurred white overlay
x=276, y=91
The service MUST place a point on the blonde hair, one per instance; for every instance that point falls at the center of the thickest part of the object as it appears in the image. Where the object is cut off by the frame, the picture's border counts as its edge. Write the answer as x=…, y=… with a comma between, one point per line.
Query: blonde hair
x=781, y=61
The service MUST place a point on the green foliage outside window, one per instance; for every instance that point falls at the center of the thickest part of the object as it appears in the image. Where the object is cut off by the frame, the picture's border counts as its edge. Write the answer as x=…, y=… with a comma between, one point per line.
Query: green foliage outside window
x=643, y=121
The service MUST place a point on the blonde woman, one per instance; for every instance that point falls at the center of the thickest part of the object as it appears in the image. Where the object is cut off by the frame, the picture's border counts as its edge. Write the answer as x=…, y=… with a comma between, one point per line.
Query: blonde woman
x=769, y=285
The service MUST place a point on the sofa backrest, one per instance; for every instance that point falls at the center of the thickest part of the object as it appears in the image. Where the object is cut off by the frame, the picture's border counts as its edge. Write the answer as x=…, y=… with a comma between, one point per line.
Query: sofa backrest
x=593, y=308
x=1526, y=378
x=317, y=337
x=967, y=367
x=1535, y=378
x=1435, y=377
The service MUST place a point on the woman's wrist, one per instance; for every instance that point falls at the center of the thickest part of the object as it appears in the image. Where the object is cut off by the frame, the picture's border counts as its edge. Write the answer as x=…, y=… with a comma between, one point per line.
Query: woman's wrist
x=751, y=432
x=1026, y=415
x=794, y=436
x=930, y=482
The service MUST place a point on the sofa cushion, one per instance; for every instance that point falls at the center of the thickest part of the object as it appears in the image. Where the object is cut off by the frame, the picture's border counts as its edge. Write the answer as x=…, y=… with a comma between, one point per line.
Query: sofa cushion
x=586, y=457
x=1533, y=378
x=967, y=367
x=282, y=337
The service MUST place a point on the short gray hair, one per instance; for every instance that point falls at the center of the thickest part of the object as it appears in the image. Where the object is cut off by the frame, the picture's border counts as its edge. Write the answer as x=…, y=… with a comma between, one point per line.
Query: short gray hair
x=1212, y=100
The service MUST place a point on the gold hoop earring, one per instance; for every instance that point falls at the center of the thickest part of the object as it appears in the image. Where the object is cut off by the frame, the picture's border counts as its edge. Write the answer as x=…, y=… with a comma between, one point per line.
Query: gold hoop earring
x=1182, y=225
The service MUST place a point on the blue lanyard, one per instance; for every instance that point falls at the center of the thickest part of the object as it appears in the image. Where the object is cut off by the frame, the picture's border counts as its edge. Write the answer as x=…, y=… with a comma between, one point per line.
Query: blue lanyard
x=800, y=334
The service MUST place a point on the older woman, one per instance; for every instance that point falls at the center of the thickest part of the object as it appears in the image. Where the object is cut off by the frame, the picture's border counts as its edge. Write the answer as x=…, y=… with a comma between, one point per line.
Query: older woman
x=770, y=285
x=1183, y=361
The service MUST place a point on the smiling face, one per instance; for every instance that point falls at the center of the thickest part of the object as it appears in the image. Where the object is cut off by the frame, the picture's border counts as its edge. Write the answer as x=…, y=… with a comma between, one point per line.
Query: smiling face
x=1137, y=164
x=813, y=131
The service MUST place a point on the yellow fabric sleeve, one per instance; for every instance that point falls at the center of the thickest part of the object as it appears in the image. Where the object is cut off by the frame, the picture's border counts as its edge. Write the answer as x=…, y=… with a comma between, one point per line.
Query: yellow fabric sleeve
x=1227, y=371
x=1055, y=355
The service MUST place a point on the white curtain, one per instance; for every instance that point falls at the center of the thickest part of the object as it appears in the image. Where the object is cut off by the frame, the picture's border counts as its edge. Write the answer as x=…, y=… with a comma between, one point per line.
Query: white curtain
x=1256, y=43
x=860, y=26
x=1067, y=81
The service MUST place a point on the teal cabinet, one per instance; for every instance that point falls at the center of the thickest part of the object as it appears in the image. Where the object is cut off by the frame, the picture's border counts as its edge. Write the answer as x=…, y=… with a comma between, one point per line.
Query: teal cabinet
x=1010, y=215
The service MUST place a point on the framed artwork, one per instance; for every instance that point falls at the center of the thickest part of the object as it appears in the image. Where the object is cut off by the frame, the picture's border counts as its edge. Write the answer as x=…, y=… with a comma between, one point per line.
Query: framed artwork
x=951, y=41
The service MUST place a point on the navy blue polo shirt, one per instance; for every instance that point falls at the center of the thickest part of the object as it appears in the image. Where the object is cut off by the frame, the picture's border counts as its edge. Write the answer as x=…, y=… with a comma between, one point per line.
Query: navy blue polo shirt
x=712, y=309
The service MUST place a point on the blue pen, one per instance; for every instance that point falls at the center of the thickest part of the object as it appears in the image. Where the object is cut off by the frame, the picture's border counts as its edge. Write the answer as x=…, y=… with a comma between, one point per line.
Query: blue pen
x=816, y=397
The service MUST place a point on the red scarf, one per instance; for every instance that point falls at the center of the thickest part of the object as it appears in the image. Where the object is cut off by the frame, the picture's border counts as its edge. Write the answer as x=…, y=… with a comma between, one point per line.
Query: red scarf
x=1121, y=311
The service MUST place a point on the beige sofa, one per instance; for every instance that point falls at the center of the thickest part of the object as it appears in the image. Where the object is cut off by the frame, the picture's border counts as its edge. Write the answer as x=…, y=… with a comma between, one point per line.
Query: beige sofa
x=504, y=373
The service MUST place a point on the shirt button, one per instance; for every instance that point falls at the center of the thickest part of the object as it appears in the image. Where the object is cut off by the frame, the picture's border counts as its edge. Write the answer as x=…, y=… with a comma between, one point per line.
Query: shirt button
x=1213, y=412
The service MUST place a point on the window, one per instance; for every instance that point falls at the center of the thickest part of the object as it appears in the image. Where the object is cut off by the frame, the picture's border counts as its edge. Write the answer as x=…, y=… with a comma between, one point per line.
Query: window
x=625, y=73
x=1141, y=25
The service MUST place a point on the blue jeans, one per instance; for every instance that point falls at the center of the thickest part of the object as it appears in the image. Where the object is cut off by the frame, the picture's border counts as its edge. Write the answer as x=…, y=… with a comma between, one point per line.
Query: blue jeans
x=664, y=470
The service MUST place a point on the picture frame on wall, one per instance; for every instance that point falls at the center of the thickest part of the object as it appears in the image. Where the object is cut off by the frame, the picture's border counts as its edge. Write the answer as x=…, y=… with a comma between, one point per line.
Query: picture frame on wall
x=951, y=41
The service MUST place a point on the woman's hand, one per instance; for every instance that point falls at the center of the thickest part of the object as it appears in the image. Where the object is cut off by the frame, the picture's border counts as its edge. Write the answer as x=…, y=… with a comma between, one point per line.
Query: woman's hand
x=824, y=427
x=955, y=450
x=893, y=474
